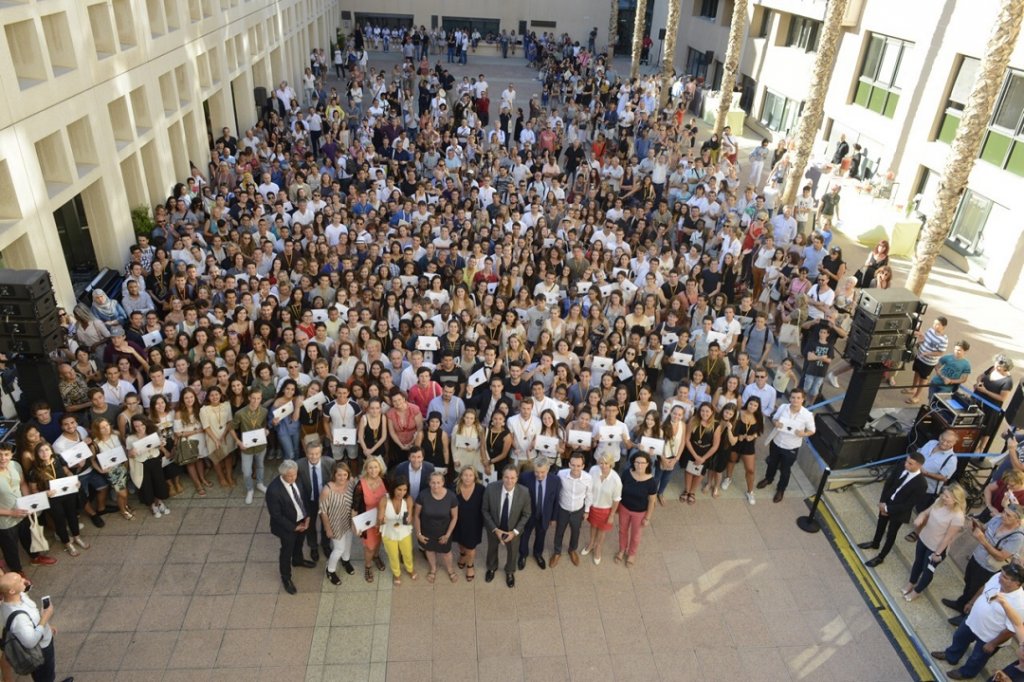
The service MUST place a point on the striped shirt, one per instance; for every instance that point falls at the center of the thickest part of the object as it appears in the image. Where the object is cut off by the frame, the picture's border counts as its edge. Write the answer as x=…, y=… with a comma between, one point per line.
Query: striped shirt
x=933, y=342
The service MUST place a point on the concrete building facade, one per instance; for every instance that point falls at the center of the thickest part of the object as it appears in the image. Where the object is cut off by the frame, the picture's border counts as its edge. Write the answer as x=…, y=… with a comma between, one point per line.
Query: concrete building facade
x=108, y=103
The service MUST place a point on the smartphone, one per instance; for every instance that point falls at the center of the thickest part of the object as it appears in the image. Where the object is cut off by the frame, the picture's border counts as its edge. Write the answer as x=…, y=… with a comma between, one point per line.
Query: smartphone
x=46, y=602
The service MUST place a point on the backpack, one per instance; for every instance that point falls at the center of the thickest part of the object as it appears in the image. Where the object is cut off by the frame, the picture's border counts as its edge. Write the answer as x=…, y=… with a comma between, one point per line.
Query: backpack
x=23, y=659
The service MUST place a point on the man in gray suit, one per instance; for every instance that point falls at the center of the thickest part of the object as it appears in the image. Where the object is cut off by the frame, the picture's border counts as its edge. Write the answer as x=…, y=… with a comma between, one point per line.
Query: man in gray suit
x=314, y=472
x=506, y=511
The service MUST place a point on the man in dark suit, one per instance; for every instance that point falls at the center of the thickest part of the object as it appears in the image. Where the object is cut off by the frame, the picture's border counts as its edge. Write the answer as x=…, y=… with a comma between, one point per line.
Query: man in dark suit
x=544, y=491
x=506, y=511
x=486, y=402
x=902, y=491
x=288, y=520
x=314, y=473
x=416, y=471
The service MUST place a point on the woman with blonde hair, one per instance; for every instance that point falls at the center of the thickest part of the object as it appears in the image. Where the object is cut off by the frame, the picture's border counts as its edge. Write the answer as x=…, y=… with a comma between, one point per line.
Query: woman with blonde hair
x=336, y=516
x=369, y=491
x=607, y=495
x=936, y=528
x=465, y=433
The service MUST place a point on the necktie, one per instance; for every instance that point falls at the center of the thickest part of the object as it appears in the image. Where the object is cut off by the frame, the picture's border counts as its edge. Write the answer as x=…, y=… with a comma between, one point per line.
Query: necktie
x=903, y=482
x=540, y=497
x=298, y=500
x=503, y=521
x=316, y=482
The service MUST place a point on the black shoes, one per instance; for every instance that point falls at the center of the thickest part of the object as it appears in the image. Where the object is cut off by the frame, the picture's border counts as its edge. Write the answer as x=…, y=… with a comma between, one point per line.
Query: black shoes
x=539, y=558
x=877, y=561
x=289, y=586
x=97, y=520
x=489, y=576
x=763, y=483
x=939, y=655
x=347, y=565
x=304, y=563
x=314, y=554
x=867, y=545
x=952, y=604
x=333, y=577
x=522, y=562
x=510, y=579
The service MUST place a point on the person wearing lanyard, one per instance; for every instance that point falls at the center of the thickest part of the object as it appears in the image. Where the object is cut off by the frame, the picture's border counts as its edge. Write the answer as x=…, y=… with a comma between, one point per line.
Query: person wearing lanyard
x=793, y=423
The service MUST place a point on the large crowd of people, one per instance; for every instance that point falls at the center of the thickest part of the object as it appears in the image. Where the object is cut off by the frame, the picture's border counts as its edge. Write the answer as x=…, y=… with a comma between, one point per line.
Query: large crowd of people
x=456, y=313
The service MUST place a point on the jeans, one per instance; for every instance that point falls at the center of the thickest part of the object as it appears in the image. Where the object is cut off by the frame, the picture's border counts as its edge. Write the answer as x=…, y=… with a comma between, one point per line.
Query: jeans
x=288, y=437
x=668, y=388
x=247, y=462
x=780, y=460
x=341, y=550
x=812, y=385
x=451, y=55
x=663, y=476
x=923, y=570
x=573, y=520
x=962, y=639
x=398, y=550
x=631, y=529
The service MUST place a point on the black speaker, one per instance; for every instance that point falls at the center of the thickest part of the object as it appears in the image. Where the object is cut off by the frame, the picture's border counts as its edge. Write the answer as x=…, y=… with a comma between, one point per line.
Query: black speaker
x=32, y=345
x=661, y=34
x=28, y=308
x=860, y=396
x=37, y=378
x=1014, y=411
x=259, y=93
x=892, y=301
x=24, y=284
x=843, y=448
x=709, y=57
x=47, y=324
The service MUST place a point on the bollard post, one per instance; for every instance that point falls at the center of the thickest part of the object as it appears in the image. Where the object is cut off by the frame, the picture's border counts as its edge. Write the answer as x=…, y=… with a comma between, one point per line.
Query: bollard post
x=809, y=524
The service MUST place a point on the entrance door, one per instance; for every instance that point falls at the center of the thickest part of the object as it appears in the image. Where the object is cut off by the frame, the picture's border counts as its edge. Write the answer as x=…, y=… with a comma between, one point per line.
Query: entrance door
x=627, y=20
x=75, y=240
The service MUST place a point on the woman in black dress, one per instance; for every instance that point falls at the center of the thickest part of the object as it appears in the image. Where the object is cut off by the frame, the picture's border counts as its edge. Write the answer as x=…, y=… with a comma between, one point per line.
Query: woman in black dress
x=749, y=427
x=701, y=445
x=469, y=528
x=434, y=519
x=498, y=444
x=727, y=440
x=436, y=445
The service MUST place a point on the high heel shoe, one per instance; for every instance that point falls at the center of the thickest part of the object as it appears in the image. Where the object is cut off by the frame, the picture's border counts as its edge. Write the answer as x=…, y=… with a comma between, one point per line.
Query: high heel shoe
x=70, y=549
x=81, y=543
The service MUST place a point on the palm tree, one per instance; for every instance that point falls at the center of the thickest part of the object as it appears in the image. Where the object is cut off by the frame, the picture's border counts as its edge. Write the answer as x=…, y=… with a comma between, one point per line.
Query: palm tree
x=668, y=61
x=967, y=142
x=737, y=30
x=613, y=31
x=639, y=24
x=814, y=107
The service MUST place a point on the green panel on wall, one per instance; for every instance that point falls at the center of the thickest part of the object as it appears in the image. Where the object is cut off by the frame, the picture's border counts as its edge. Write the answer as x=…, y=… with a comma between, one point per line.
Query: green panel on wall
x=950, y=122
x=995, y=148
x=863, y=93
x=877, y=101
x=890, y=105
x=1016, y=163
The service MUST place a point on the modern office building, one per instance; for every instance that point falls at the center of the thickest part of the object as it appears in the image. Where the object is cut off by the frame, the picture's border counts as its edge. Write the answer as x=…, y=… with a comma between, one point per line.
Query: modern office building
x=106, y=103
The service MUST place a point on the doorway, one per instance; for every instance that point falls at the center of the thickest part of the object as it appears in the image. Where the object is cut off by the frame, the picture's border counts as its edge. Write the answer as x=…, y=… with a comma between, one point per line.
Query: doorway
x=627, y=20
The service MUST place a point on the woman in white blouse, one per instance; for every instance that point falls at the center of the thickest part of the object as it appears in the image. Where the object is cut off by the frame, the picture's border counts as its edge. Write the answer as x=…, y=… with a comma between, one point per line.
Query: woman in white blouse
x=607, y=494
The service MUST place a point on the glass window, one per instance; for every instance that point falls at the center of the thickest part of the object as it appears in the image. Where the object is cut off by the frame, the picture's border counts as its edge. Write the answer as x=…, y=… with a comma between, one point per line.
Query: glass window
x=765, y=24
x=709, y=8
x=873, y=56
x=963, y=83
x=1011, y=104
x=803, y=33
x=777, y=112
x=970, y=220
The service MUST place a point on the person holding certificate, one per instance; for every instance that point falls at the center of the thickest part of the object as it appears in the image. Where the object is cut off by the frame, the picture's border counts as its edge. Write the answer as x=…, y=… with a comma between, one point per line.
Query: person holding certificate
x=105, y=439
x=395, y=524
x=251, y=421
x=144, y=465
x=702, y=441
x=13, y=521
x=467, y=442
x=369, y=491
x=674, y=432
x=63, y=511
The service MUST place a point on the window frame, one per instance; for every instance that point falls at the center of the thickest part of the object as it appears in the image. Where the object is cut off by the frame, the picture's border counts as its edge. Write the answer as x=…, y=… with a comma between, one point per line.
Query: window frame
x=803, y=33
x=872, y=93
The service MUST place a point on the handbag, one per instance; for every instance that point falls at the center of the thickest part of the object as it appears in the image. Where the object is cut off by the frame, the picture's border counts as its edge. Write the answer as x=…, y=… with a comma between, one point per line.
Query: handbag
x=186, y=451
x=789, y=334
x=35, y=529
x=24, y=659
x=694, y=469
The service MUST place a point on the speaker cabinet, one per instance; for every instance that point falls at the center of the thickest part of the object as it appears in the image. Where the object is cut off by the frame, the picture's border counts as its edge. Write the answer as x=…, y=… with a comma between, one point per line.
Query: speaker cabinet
x=1014, y=411
x=843, y=448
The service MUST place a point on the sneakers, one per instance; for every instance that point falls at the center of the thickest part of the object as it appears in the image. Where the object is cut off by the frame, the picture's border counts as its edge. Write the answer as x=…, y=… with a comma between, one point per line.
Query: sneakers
x=248, y=497
x=163, y=508
x=750, y=498
x=832, y=381
x=156, y=511
x=262, y=488
x=726, y=482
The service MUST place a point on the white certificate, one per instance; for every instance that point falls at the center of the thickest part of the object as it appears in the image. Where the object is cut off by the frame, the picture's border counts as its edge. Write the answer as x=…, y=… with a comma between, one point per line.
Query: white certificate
x=610, y=434
x=65, y=486
x=616, y=271
x=628, y=287
x=365, y=521
x=342, y=309
x=427, y=343
x=150, y=442
x=580, y=439
x=601, y=364
x=607, y=289
x=478, y=377
x=152, y=339
x=111, y=458
x=320, y=314
x=436, y=297
x=33, y=503
x=653, y=446
x=283, y=411
x=684, y=359
x=409, y=280
x=314, y=401
x=467, y=442
x=343, y=436
x=76, y=453
x=622, y=370
x=716, y=337
x=562, y=409
x=582, y=287
x=254, y=438
x=669, y=338
x=552, y=299
x=492, y=287
x=546, y=444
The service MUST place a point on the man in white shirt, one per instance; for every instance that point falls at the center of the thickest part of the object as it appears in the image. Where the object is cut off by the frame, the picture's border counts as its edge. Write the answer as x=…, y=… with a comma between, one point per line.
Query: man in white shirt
x=731, y=327
x=115, y=389
x=939, y=464
x=762, y=390
x=158, y=385
x=525, y=427
x=820, y=298
x=784, y=227
x=32, y=628
x=987, y=626
x=574, y=500
x=793, y=423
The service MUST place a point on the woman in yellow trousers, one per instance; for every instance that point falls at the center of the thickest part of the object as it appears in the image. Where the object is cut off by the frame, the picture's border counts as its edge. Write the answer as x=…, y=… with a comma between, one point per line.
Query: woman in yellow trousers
x=394, y=517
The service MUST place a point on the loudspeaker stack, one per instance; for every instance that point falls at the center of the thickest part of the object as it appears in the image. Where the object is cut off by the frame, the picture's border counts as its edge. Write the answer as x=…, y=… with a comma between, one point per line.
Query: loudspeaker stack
x=29, y=324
